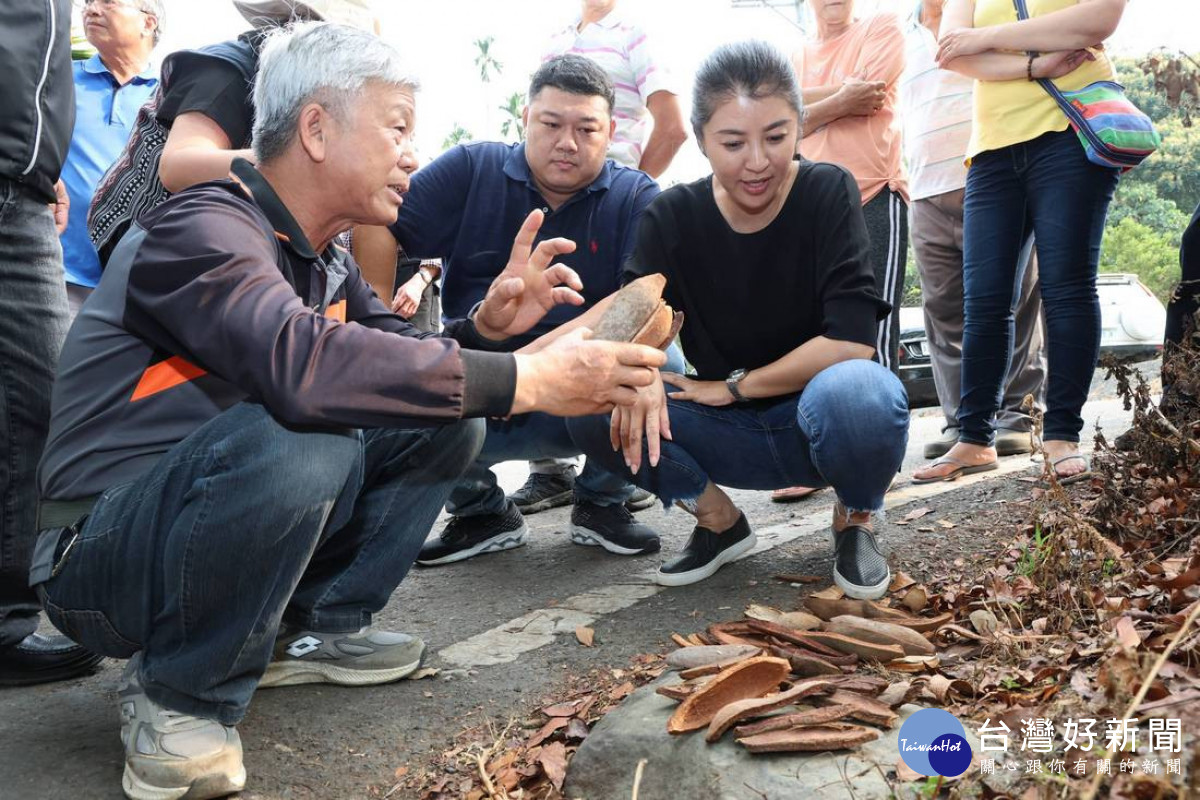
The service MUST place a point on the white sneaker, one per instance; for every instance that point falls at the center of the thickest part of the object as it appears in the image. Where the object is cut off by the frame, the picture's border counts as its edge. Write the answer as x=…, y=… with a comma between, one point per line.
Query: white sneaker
x=170, y=755
x=365, y=658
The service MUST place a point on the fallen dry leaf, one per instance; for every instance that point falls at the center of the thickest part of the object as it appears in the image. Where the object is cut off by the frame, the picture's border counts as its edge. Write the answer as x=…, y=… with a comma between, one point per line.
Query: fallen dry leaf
x=621, y=692
x=585, y=635
x=400, y=772
x=548, y=730
x=768, y=613
x=553, y=759
x=916, y=599
x=561, y=710
x=906, y=773
x=901, y=580
x=1127, y=636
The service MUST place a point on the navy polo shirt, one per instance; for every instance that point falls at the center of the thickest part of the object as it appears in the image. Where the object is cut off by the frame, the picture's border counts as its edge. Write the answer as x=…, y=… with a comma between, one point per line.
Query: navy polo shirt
x=104, y=115
x=468, y=204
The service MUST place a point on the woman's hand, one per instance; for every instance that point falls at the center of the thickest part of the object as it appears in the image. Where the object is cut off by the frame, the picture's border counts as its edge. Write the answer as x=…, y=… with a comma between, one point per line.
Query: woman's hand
x=408, y=296
x=647, y=417
x=1060, y=63
x=961, y=42
x=862, y=98
x=706, y=393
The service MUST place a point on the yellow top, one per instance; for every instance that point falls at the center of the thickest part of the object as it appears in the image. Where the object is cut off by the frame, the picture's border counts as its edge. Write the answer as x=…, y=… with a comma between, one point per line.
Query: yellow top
x=1011, y=112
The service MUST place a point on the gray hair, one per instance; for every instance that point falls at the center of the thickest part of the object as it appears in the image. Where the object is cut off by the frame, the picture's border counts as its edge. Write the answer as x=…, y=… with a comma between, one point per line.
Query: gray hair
x=752, y=69
x=156, y=9
x=316, y=62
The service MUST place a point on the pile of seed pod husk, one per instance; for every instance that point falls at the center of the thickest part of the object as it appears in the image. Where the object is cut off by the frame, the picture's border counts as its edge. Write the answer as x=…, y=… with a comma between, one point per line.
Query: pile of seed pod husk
x=800, y=681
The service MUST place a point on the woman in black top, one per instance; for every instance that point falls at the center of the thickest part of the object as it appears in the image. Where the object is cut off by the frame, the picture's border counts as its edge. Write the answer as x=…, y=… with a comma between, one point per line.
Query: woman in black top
x=768, y=259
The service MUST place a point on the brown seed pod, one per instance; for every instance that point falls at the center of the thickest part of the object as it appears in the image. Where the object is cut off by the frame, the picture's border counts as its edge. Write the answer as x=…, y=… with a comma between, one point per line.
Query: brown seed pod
x=880, y=632
x=827, y=608
x=806, y=665
x=849, y=644
x=865, y=709
x=691, y=657
x=809, y=740
x=739, y=710
x=638, y=314
x=798, y=719
x=754, y=677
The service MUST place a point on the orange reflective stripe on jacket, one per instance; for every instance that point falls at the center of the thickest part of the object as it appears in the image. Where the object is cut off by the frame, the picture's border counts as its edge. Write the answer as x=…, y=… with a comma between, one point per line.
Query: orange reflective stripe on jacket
x=165, y=375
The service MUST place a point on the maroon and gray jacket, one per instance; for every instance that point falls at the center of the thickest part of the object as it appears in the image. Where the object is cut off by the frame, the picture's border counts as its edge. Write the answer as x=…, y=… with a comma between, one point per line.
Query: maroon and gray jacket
x=216, y=297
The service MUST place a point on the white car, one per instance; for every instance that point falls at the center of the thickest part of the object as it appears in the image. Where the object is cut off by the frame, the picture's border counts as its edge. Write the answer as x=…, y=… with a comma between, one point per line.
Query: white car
x=1132, y=321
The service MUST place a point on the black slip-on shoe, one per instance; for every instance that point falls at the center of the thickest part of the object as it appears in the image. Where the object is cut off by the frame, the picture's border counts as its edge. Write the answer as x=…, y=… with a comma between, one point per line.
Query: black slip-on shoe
x=465, y=537
x=859, y=568
x=705, y=553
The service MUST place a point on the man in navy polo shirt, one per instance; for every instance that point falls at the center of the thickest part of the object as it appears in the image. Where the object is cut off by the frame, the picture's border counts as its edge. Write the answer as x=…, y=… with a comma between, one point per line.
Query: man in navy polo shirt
x=465, y=207
x=110, y=87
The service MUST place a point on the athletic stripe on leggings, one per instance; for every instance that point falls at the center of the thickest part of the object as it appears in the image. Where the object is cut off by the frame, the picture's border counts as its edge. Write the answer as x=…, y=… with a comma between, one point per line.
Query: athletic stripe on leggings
x=891, y=274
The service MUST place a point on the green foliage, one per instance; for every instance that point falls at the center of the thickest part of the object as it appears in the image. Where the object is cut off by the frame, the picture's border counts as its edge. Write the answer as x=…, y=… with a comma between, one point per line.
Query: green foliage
x=81, y=48
x=1142, y=202
x=457, y=136
x=1153, y=202
x=1035, y=552
x=488, y=65
x=512, y=124
x=1152, y=255
x=1174, y=170
x=912, y=282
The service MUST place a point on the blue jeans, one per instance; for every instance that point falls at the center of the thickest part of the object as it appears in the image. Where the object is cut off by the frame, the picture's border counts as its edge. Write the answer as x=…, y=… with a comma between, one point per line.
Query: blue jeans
x=33, y=324
x=1048, y=188
x=529, y=437
x=535, y=437
x=243, y=525
x=847, y=429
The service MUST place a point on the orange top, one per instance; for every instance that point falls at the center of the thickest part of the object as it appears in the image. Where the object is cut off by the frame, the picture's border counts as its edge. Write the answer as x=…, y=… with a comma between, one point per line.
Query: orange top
x=871, y=49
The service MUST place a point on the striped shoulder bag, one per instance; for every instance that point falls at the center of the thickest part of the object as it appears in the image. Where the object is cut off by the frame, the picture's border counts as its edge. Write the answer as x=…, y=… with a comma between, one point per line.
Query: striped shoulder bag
x=1114, y=132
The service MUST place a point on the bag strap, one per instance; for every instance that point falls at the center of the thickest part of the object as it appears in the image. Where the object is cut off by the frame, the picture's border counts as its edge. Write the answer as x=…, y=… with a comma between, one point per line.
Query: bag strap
x=1048, y=85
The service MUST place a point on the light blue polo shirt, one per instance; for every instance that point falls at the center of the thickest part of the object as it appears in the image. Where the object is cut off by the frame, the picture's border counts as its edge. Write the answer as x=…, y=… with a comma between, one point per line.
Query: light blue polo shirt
x=104, y=116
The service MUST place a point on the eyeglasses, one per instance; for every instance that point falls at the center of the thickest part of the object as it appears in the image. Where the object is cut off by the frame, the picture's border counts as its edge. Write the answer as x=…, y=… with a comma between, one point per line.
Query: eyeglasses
x=108, y=5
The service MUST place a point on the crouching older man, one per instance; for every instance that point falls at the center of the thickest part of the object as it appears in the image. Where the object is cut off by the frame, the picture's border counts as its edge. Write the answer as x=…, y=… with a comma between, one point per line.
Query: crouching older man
x=247, y=449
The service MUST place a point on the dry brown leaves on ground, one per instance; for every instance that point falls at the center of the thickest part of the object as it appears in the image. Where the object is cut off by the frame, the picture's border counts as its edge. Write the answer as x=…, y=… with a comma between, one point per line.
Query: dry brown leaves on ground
x=527, y=759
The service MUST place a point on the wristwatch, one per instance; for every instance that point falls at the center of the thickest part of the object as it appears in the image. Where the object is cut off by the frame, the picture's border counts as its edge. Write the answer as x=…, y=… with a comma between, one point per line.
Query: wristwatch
x=736, y=377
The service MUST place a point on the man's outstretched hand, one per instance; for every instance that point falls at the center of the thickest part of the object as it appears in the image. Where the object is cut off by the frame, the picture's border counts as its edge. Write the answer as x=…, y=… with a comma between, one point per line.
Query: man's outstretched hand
x=575, y=375
x=529, y=286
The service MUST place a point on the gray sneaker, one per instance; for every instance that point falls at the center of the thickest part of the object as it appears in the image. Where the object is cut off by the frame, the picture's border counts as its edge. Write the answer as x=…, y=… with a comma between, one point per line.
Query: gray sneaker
x=349, y=659
x=170, y=755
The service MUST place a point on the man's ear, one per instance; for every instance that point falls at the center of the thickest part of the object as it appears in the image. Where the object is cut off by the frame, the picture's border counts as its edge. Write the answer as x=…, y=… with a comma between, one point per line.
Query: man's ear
x=313, y=130
x=612, y=127
x=525, y=117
